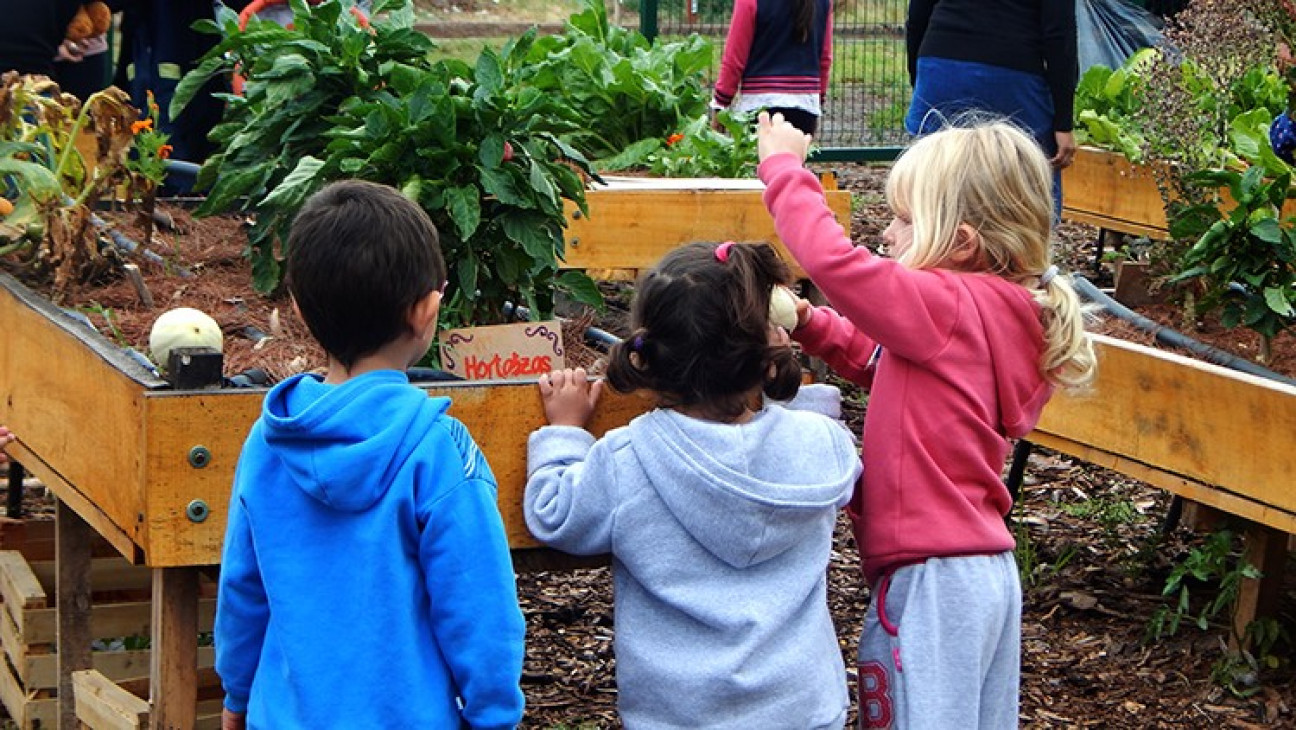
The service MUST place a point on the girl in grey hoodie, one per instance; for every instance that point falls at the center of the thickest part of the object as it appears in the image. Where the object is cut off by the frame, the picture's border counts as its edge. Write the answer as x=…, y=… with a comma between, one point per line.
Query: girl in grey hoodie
x=718, y=507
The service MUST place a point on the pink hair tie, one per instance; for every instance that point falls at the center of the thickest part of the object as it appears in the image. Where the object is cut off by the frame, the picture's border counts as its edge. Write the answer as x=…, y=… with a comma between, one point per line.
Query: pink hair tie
x=722, y=252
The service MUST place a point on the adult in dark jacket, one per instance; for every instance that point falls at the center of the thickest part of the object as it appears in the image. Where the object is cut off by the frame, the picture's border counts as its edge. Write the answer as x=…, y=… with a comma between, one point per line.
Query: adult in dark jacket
x=1011, y=58
x=31, y=33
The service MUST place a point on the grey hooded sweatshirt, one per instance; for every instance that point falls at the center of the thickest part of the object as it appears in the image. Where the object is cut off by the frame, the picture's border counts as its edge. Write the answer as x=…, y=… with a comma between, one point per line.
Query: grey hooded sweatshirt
x=720, y=536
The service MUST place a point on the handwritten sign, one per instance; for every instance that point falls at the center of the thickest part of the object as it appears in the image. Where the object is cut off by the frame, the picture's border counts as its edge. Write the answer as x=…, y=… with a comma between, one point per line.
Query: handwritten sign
x=503, y=352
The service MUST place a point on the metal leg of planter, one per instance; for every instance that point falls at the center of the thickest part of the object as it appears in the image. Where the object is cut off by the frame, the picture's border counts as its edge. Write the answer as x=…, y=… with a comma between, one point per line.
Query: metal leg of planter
x=73, y=538
x=173, y=670
x=14, y=497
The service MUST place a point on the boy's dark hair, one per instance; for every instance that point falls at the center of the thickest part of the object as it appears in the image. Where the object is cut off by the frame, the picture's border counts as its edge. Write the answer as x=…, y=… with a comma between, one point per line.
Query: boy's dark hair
x=360, y=256
x=702, y=328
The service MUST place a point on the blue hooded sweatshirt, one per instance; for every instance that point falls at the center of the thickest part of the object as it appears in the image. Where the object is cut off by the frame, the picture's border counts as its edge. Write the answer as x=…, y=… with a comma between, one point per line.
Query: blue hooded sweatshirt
x=720, y=537
x=366, y=580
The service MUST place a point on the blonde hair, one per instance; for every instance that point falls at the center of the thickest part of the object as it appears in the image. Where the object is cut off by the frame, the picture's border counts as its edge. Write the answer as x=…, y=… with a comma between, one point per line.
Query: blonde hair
x=995, y=178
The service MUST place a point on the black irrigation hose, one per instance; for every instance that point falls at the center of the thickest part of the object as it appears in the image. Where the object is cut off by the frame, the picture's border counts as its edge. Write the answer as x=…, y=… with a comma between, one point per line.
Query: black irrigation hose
x=1174, y=338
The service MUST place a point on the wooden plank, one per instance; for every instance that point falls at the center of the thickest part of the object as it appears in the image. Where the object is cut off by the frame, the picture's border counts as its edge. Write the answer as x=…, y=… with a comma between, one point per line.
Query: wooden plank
x=633, y=226
x=73, y=539
x=1207, y=424
x=171, y=538
x=34, y=538
x=54, y=372
x=102, y=705
x=173, y=692
x=1103, y=189
x=119, y=666
x=82, y=503
x=19, y=587
x=107, y=620
x=26, y=712
x=106, y=574
x=500, y=417
x=499, y=414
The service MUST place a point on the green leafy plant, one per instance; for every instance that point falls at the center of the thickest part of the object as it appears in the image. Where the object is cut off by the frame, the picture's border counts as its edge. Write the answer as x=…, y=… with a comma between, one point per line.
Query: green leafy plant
x=1213, y=562
x=147, y=167
x=481, y=151
x=625, y=88
x=1111, y=514
x=1245, y=258
x=696, y=150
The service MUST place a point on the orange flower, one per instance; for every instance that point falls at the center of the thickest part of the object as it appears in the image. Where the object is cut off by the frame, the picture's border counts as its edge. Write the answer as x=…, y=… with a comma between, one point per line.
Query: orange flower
x=671, y=140
x=141, y=125
x=164, y=151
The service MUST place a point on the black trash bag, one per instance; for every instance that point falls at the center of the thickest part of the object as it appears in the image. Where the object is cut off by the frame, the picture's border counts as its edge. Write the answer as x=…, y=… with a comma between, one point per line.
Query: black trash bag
x=1110, y=31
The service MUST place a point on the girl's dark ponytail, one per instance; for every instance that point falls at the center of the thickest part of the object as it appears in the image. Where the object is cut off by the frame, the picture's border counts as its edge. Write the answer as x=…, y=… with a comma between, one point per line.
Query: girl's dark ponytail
x=805, y=15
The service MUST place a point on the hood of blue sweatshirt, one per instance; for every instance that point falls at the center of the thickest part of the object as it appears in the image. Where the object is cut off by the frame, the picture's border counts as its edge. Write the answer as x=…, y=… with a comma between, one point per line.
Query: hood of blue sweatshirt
x=746, y=493
x=341, y=443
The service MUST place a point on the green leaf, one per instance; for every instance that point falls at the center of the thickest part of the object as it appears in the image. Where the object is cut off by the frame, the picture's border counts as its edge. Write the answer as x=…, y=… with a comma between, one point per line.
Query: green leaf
x=464, y=206
x=193, y=82
x=299, y=185
x=39, y=181
x=581, y=289
x=1276, y=300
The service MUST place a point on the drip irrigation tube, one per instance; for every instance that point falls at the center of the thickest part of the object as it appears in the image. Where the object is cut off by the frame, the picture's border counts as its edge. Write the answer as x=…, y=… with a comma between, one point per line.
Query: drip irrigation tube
x=599, y=337
x=1174, y=338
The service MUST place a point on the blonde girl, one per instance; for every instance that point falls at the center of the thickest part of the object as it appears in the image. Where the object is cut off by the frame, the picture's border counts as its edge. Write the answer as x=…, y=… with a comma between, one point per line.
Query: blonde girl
x=961, y=336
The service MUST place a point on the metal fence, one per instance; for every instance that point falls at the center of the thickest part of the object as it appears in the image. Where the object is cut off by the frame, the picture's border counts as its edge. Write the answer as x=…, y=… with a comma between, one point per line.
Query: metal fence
x=868, y=90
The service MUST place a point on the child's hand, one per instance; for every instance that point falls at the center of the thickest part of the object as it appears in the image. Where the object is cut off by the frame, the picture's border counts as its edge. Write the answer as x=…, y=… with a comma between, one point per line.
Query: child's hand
x=804, y=311
x=6, y=437
x=569, y=397
x=231, y=720
x=776, y=135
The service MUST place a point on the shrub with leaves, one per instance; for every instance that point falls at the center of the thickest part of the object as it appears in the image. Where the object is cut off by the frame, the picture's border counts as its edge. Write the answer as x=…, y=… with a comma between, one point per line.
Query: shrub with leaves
x=480, y=151
x=1246, y=257
x=624, y=88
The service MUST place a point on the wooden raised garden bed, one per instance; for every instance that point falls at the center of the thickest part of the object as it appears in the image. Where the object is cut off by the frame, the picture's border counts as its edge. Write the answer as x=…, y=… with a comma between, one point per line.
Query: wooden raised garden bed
x=1211, y=435
x=1106, y=190
x=149, y=468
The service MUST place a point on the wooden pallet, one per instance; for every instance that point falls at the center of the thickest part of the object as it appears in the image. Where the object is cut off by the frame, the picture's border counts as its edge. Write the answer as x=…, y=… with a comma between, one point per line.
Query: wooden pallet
x=120, y=607
x=103, y=704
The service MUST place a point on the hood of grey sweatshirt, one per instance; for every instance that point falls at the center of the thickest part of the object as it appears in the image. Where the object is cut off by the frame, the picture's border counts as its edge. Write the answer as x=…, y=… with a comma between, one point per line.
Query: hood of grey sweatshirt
x=748, y=492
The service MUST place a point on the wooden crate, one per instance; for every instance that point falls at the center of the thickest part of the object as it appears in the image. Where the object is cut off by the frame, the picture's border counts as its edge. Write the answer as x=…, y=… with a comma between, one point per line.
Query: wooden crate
x=121, y=608
x=103, y=704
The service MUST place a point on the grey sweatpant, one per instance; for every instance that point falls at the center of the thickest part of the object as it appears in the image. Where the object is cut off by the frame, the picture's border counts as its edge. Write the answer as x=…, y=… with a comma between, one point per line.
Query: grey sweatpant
x=941, y=646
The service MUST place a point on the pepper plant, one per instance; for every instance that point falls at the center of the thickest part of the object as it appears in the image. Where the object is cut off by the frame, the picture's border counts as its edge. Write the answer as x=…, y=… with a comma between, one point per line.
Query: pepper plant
x=1245, y=258
x=481, y=152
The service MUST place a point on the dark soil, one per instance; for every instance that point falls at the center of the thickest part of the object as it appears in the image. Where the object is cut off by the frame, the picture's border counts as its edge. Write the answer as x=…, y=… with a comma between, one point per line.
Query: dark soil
x=1092, y=549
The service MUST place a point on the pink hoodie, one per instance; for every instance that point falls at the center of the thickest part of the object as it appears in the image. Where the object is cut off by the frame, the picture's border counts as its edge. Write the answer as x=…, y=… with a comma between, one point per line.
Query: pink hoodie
x=957, y=376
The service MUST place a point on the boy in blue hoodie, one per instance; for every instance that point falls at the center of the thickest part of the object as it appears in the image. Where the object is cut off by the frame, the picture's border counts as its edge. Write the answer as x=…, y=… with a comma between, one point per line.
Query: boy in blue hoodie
x=366, y=580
